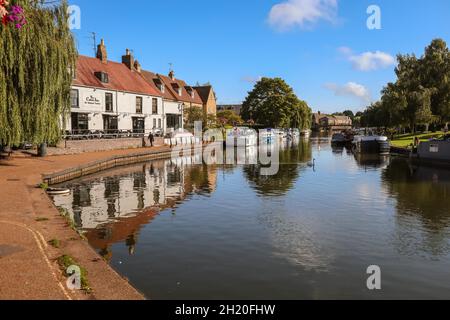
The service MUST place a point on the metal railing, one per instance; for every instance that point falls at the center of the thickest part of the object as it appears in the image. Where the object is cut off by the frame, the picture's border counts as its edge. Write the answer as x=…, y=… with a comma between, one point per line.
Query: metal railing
x=108, y=134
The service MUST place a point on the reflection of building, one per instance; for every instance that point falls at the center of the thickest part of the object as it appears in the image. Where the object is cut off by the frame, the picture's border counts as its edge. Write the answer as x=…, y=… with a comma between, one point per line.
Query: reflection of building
x=113, y=209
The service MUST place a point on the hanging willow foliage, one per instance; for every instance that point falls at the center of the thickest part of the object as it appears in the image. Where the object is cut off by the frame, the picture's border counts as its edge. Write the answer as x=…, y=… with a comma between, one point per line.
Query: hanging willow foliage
x=35, y=77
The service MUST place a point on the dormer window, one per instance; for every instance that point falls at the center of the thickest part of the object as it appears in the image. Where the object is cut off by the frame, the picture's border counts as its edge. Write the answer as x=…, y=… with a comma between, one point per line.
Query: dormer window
x=191, y=92
x=160, y=85
x=102, y=76
x=177, y=88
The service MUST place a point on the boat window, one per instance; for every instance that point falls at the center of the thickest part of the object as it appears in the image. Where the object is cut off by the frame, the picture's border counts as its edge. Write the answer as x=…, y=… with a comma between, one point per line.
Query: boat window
x=434, y=148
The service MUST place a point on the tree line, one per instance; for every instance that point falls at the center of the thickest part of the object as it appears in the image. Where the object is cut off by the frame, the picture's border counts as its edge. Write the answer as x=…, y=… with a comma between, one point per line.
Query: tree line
x=420, y=97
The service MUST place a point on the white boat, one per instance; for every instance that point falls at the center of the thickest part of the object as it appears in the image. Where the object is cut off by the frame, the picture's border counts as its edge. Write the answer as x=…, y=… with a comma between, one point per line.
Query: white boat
x=266, y=136
x=181, y=137
x=242, y=137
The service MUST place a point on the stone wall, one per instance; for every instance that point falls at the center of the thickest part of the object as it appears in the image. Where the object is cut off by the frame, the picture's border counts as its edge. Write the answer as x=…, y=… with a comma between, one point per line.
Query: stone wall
x=81, y=146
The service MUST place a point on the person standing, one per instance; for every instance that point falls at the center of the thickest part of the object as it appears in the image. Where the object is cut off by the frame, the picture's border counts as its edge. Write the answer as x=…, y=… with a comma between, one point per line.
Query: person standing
x=151, y=138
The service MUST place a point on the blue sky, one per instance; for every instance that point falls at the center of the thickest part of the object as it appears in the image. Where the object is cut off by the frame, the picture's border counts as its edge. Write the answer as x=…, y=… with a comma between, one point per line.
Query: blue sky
x=322, y=48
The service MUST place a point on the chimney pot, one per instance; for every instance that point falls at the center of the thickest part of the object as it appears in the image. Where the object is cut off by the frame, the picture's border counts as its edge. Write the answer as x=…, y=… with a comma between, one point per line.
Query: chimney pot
x=128, y=60
x=102, y=54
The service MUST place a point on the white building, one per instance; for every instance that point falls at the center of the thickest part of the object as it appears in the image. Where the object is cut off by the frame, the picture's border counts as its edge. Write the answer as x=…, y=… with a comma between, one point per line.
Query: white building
x=112, y=97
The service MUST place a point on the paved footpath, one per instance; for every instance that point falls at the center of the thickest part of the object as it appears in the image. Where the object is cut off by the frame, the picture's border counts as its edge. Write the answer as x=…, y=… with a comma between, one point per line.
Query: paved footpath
x=29, y=220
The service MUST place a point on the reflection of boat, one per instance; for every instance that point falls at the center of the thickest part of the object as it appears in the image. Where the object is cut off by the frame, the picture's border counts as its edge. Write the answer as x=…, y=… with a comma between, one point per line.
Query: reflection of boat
x=242, y=137
x=371, y=144
x=306, y=133
x=338, y=139
x=374, y=161
x=58, y=191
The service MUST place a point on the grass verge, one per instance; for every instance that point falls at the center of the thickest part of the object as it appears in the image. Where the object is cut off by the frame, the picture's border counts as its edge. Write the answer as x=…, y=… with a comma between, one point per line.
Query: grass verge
x=67, y=261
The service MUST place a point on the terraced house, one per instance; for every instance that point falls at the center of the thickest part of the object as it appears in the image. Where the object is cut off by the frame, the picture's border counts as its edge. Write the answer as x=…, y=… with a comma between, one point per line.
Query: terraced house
x=111, y=98
x=177, y=95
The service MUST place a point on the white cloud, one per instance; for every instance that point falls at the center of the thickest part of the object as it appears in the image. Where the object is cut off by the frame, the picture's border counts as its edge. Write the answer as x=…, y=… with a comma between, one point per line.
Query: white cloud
x=368, y=61
x=251, y=79
x=351, y=89
x=292, y=13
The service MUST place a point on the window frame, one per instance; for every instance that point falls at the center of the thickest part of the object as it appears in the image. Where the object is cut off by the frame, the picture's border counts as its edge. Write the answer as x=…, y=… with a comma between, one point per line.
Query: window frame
x=109, y=94
x=141, y=99
x=78, y=98
x=154, y=104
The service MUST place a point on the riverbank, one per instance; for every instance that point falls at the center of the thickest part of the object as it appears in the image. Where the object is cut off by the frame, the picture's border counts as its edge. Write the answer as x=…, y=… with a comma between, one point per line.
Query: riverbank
x=33, y=235
x=407, y=140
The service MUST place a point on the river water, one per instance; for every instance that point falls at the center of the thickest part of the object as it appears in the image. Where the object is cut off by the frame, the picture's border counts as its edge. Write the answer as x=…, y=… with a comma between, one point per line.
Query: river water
x=183, y=231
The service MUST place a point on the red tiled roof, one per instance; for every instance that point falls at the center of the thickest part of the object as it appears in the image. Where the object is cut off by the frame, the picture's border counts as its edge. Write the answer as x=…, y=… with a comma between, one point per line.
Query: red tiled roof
x=185, y=97
x=120, y=77
x=152, y=79
x=203, y=92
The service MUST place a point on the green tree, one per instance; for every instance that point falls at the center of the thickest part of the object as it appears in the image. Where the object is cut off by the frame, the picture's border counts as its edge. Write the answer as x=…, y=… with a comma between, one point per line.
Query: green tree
x=229, y=118
x=349, y=113
x=35, y=77
x=273, y=103
x=435, y=75
x=192, y=115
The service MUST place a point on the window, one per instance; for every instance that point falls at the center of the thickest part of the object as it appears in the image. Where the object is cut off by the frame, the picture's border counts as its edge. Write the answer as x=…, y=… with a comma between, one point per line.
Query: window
x=80, y=123
x=139, y=105
x=139, y=125
x=154, y=123
x=102, y=76
x=75, y=98
x=159, y=124
x=109, y=102
x=110, y=124
x=434, y=148
x=155, y=106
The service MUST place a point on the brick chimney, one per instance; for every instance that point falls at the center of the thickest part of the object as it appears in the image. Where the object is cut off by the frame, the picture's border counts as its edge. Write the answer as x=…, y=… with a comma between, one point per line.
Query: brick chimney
x=172, y=75
x=137, y=66
x=101, y=52
x=128, y=60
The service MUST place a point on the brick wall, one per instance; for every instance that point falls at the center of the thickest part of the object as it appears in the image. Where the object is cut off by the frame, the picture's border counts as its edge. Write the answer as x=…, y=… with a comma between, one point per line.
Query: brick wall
x=81, y=146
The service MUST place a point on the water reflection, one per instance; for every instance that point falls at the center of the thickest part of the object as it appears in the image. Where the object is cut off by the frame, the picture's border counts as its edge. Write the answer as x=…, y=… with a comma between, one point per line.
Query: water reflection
x=293, y=157
x=371, y=161
x=114, y=208
x=422, y=197
x=300, y=234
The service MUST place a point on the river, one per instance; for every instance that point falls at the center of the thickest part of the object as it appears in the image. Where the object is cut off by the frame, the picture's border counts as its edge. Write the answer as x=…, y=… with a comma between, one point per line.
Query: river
x=183, y=231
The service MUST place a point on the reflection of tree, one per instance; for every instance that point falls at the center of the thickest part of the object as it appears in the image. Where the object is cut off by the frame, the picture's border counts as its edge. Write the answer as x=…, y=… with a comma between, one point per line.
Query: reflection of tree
x=198, y=177
x=422, y=195
x=288, y=172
